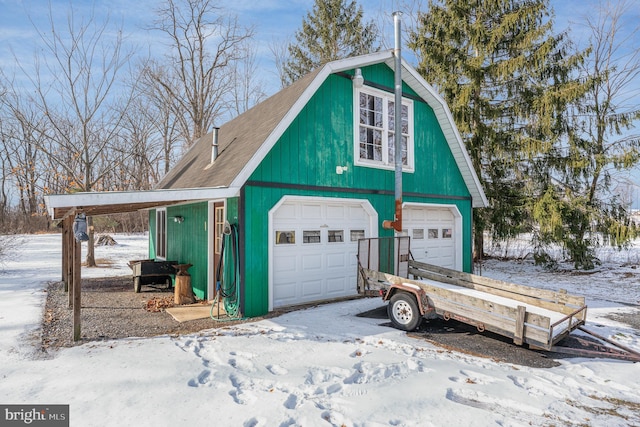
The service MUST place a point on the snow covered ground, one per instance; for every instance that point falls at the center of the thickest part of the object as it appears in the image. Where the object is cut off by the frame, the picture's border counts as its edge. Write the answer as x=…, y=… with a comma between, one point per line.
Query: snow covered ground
x=315, y=367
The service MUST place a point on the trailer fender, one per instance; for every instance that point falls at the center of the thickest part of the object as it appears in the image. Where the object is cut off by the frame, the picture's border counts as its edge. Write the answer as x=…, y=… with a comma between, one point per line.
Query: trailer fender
x=419, y=294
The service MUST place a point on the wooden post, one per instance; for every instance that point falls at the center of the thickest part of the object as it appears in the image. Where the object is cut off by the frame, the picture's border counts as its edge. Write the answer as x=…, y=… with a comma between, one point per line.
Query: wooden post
x=70, y=261
x=65, y=231
x=77, y=296
x=68, y=253
x=71, y=267
x=518, y=334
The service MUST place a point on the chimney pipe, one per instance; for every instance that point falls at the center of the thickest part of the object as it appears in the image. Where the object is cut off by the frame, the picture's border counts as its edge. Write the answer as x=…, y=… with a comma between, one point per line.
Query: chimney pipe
x=397, y=137
x=214, y=145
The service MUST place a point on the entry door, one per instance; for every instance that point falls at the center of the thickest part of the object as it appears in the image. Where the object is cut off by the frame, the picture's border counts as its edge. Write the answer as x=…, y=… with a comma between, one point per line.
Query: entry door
x=218, y=227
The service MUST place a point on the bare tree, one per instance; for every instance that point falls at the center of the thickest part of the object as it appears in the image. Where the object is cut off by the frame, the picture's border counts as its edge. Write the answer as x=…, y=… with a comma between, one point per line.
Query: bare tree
x=280, y=51
x=77, y=75
x=4, y=165
x=161, y=110
x=205, y=44
x=247, y=86
x=20, y=141
x=411, y=10
x=21, y=124
x=140, y=147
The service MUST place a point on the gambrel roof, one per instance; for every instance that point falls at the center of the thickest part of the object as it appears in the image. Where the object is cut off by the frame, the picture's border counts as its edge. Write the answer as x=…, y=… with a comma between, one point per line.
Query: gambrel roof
x=245, y=141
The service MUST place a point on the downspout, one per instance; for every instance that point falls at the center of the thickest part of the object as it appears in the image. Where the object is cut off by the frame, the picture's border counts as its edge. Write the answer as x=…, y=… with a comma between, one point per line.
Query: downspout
x=397, y=137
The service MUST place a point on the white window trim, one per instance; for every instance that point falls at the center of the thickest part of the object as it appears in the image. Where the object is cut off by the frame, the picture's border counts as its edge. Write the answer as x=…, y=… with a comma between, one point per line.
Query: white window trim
x=163, y=256
x=390, y=164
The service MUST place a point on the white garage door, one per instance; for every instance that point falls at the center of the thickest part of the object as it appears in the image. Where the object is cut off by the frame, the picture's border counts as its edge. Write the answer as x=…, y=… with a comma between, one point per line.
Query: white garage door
x=314, y=247
x=435, y=237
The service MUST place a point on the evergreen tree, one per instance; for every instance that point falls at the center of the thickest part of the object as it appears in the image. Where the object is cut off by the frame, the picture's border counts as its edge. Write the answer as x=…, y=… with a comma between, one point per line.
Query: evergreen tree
x=506, y=79
x=334, y=29
x=582, y=209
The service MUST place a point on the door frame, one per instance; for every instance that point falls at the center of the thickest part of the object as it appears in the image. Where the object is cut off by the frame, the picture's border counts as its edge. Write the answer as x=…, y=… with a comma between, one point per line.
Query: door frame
x=457, y=226
x=365, y=203
x=211, y=236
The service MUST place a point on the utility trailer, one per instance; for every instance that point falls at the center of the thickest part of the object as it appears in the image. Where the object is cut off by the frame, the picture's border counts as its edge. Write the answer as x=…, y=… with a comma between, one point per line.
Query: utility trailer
x=536, y=317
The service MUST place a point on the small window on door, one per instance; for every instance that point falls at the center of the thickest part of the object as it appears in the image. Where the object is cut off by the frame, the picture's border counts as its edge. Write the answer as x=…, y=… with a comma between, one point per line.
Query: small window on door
x=447, y=233
x=433, y=233
x=219, y=227
x=285, y=237
x=356, y=235
x=336, y=236
x=418, y=233
x=311, y=236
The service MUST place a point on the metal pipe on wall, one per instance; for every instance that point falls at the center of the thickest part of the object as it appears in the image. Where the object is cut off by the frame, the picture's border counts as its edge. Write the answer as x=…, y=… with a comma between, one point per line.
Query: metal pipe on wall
x=396, y=224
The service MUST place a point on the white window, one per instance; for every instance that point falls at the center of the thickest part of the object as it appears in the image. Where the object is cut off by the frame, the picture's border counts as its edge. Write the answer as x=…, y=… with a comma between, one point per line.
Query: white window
x=334, y=236
x=161, y=233
x=356, y=235
x=285, y=237
x=418, y=233
x=311, y=236
x=375, y=130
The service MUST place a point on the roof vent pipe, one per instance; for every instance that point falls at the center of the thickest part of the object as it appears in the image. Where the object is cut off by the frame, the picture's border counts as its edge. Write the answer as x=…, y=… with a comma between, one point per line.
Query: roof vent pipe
x=214, y=145
x=396, y=224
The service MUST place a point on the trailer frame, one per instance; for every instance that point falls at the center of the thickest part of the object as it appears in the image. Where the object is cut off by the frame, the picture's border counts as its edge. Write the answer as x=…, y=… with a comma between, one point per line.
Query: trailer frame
x=537, y=318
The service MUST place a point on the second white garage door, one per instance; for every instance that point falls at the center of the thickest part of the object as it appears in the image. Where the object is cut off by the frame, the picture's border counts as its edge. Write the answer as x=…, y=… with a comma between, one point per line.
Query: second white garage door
x=435, y=234
x=313, y=247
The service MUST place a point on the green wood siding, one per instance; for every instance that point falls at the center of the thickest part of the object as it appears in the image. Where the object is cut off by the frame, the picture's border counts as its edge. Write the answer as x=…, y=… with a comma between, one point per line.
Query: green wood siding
x=187, y=242
x=305, y=160
x=256, y=238
x=321, y=138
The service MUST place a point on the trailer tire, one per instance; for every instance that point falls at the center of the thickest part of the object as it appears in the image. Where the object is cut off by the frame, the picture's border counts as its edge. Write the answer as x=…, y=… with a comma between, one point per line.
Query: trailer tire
x=403, y=311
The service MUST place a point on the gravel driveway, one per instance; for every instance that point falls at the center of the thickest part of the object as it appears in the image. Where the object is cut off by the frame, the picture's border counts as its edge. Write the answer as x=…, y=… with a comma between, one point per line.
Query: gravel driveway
x=112, y=310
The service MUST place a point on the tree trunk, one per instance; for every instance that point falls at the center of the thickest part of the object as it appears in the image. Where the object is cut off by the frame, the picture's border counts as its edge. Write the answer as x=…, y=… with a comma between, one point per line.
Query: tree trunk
x=91, y=259
x=478, y=246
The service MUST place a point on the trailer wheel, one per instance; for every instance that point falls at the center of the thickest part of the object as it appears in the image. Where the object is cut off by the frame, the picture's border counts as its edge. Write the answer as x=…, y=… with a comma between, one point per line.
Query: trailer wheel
x=136, y=284
x=403, y=311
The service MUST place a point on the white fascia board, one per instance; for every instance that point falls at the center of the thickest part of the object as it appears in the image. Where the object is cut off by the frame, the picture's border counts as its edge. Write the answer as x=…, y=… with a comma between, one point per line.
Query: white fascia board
x=360, y=61
x=272, y=139
x=129, y=197
x=424, y=89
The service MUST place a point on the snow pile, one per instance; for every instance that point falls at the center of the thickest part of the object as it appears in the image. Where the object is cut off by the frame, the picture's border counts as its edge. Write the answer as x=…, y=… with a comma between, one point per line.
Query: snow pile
x=320, y=366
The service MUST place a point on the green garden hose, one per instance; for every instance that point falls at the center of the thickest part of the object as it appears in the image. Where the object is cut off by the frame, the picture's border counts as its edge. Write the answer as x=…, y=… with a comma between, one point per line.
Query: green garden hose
x=229, y=290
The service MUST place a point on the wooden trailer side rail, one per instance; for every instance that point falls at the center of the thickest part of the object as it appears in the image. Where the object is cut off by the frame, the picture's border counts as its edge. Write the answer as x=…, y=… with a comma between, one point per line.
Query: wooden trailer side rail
x=514, y=322
x=556, y=301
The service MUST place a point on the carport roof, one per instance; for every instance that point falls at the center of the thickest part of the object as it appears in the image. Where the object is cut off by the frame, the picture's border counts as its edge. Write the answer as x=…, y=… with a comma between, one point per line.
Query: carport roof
x=111, y=202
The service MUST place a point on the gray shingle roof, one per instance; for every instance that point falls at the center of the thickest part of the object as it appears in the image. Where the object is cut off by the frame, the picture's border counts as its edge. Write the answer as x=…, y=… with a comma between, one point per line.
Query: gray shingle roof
x=238, y=141
x=245, y=140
